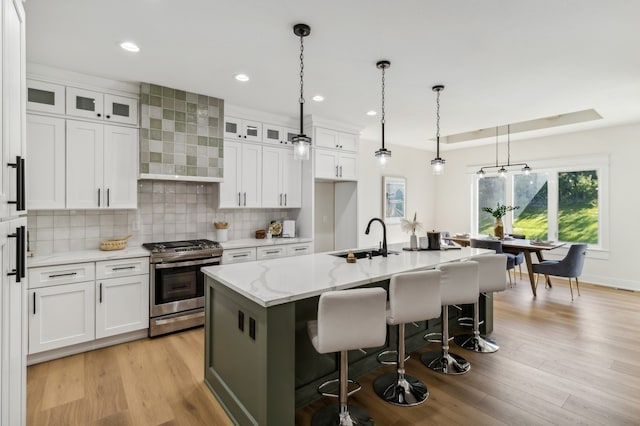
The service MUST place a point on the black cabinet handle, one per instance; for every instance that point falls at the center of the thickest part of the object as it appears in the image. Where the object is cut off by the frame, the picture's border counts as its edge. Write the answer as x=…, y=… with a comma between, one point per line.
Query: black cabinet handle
x=337, y=171
x=108, y=116
x=34, y=303
x=108, y=197
x=68, y=274
x=285, y=200
x=280, y=199
x=100, y=292
x=99, y=115
x=241, y=255
x=98, y=197
x=245, y=198
x=20, y=190
x=239, y=199
x=20, y=269
x=121, y=268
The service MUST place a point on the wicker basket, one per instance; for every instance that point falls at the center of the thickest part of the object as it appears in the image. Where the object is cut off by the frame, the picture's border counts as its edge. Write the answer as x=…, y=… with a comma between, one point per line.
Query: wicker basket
x=118, y=244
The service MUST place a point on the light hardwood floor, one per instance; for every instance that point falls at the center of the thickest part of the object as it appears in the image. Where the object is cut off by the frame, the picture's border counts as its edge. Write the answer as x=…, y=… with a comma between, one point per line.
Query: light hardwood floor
x=560, y=362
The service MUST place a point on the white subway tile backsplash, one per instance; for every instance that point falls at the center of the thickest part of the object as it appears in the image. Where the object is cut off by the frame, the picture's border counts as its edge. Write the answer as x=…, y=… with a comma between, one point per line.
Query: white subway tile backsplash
x=167, y=211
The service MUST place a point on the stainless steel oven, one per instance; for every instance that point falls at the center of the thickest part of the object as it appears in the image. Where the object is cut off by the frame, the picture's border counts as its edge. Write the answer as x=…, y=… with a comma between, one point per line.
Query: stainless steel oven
x=177, y=284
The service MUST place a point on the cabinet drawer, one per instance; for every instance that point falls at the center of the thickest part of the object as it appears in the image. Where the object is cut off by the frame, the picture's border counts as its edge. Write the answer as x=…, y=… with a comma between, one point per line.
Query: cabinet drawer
x=299, y=249
x=61, y=274
x=270, y=252
x=122, y=267
x=239, y=255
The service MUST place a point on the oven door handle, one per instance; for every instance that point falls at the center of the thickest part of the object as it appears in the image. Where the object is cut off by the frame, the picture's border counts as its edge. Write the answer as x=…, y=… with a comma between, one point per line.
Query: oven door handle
x=207, y=261
x=179, y=318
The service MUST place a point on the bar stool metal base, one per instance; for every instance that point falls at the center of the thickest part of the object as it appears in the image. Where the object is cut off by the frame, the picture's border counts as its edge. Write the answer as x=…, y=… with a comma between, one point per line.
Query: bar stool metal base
x=331, y=416
x=446, y=364
x=407, y=391
x=476, y=344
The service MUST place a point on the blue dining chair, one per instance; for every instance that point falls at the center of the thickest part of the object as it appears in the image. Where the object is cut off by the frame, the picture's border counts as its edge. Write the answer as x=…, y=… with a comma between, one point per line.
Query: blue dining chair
x=569, y=267
x=520, y=255
x=497, y=246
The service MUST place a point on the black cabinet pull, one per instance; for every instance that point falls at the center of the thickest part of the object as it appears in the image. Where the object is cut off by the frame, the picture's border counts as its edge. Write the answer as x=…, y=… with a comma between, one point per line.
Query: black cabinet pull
x=239, y=199
x=280, y=199
x=99, y=115
x=100, y=292
x=98, y=197
x=108, y=116
x=34, y=303
x=285, y=199
x=20, y=269
x=19, y=165
x=240, y=255
x=245, y=198
x=121, y=268
x=108, y=197
x=68, y=274
x=252, y=328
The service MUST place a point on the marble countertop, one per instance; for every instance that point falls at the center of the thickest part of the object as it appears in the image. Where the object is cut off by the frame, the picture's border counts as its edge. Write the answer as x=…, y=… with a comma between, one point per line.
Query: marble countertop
x=85, y=256
x=282, y=280
x=254, y=242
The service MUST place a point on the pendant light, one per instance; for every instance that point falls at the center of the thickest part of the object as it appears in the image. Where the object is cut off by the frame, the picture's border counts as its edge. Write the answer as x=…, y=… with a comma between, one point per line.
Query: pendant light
x=301, y=142
x=502, y=168
x=437, y=163
x=383, y=155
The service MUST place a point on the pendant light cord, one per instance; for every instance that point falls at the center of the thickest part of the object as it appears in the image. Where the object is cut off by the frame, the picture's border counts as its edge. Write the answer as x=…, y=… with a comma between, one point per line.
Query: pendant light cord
x=508, y=144
x=382, y=120
x=438, y=124
x=301, y=100
x=496, y=146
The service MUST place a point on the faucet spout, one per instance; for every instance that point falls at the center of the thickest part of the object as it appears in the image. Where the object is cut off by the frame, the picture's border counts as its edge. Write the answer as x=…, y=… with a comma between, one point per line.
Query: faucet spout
x=384, y=233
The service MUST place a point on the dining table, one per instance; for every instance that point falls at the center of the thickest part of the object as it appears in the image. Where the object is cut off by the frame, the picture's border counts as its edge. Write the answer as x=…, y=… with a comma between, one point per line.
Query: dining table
x=516, y=246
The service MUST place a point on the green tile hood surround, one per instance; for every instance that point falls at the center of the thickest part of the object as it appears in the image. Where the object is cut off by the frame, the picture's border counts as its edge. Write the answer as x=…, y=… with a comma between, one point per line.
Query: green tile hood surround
x=180, y=135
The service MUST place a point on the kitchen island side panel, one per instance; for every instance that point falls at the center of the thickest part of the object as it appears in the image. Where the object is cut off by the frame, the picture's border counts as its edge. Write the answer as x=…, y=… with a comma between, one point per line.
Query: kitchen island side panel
x=252, y=378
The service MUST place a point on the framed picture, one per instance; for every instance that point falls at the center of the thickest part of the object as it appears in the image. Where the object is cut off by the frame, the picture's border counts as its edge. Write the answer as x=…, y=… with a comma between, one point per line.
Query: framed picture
x=394, y=198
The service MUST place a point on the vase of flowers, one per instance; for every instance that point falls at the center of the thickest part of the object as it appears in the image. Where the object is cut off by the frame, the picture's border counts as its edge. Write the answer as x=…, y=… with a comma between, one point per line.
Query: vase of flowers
x=411, y=226
x=498, y=213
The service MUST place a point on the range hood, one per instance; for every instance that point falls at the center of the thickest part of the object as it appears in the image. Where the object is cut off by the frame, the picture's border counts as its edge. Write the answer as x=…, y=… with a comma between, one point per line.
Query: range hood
x=180, y=135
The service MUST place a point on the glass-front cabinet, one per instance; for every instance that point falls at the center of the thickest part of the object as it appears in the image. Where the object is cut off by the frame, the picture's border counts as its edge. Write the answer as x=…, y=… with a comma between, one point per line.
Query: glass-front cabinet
x=120, y=109
x=85, y=103
x=45, y=97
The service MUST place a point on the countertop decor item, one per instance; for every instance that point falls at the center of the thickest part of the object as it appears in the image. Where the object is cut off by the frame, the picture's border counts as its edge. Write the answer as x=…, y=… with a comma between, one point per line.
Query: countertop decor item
x=261, y=234
x=383, y=155
x=498, y=213
x=222, y=231
x=117, y=244
x=351, y=258
x=411, y=226
x=276, y=228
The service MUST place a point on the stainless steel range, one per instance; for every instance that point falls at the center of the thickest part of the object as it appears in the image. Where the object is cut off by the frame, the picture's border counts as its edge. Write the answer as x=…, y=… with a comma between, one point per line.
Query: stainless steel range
x=177, y=285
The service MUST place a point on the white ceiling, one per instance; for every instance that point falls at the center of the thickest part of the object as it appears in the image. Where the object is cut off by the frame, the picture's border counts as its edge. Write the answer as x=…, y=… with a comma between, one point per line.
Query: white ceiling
x=502, y=61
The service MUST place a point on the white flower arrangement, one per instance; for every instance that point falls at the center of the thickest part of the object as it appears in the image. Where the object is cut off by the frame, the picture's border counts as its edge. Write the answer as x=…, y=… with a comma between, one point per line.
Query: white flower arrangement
x=411, y=225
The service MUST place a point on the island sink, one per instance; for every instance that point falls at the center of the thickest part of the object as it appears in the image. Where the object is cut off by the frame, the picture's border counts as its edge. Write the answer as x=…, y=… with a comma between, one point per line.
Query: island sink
x=363, y=254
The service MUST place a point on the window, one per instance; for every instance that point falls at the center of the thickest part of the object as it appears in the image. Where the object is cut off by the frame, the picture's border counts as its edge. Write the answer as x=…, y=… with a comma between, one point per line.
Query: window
x=561, y=202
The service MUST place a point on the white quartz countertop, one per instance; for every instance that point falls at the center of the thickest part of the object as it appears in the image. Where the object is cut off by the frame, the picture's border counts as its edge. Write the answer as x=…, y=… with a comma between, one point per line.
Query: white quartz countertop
x=282, y=280
x=85, y=256
x=254, y=242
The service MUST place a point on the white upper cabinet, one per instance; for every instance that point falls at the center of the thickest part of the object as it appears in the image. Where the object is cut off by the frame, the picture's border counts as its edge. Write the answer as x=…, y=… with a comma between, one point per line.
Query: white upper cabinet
x=281, y=178
x=102, y=166
x=334, y=165
x=101, y=106
x=242, y=186
x=45, y=97
x=237, y=128
x=46, y=153
x=85, y=103
x=278, y=135
x=327, y=138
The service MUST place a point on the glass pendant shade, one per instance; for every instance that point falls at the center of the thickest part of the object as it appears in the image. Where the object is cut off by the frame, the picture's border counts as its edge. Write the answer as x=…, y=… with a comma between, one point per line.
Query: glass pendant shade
x=301, y=147
x=526, y=170
x=437, y=166
x=383, y=155
x=502, y=172
x=481, y=173
x=301, y=142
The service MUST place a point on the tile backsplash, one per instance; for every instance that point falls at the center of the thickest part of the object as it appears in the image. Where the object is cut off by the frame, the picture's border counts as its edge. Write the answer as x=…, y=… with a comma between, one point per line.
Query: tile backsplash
x=167, y=211
x=180, y=133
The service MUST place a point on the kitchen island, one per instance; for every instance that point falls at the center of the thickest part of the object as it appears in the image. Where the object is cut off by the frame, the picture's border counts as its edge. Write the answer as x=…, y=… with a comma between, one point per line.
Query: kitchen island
x=258, y=359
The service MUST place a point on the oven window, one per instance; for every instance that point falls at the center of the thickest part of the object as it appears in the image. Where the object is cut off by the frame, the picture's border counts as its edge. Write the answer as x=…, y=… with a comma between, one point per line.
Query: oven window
x=181, y=283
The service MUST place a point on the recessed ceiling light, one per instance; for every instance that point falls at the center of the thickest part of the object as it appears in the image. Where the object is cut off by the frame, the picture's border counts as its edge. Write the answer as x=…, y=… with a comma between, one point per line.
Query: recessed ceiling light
x=242, y=77
x=130, y=46
x=371, y=112
x=318, y=98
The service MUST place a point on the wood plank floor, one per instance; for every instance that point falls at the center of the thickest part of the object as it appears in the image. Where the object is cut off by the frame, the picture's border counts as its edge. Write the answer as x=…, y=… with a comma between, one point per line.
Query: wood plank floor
x=560, y=362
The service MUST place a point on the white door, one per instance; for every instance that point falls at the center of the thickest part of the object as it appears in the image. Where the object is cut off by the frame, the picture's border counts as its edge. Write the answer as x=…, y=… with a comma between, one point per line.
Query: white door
x=61, y=315
x=291, y=179
x=326, y=162
x=348, y=141
x=120, y=109
x=85, y=103
x=13, y=106
x=122, y=305
x=251, y=175
x=85, y=165
x=272, y=194
x=348, y=166
x=326, y=138
x=229, y=190
x=120, y=167
x=46, y=171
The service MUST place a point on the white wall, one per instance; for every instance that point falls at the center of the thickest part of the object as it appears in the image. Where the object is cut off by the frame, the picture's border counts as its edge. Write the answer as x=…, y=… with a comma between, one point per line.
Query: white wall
x=621, y=144
x=412, y=164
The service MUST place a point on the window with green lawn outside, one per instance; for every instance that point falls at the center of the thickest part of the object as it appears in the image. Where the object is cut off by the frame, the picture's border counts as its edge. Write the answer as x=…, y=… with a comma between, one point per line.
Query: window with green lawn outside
x=554, y=204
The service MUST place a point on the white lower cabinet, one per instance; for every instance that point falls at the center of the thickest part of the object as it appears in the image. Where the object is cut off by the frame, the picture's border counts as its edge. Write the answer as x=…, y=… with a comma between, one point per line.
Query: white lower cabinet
x=111, y=298
x=270, y=252
x=122, y=305
x=61, y=315
x=299, y=249
x=265, y=252
x=238, y=255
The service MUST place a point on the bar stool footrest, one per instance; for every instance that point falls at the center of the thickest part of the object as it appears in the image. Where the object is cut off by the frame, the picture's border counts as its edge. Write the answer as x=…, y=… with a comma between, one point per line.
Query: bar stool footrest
x=323, y=392
x=383, y=354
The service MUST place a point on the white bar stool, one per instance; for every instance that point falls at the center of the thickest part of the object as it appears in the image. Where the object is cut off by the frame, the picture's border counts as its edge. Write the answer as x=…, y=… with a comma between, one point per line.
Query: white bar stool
x=491, y=278
x=347, y=320
x=413, y=296
x=458, y=285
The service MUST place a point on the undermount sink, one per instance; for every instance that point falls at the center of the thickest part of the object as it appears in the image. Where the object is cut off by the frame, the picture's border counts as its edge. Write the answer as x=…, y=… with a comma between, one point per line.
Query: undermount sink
x=363, y=254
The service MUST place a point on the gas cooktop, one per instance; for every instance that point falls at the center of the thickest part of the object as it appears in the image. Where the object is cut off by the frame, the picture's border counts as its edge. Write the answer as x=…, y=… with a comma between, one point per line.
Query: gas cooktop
x=183, y=249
